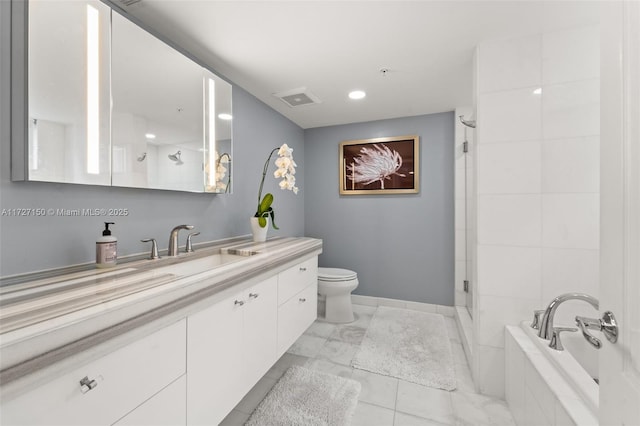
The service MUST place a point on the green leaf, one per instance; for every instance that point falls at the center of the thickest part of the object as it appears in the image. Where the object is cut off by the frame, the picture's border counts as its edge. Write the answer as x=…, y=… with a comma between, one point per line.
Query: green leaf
x=262, y=221
x=273, y=218
x=265, y=204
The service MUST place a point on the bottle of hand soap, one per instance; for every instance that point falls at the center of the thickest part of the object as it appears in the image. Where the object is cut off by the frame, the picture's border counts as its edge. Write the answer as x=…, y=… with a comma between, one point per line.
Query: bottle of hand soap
x=106, y=248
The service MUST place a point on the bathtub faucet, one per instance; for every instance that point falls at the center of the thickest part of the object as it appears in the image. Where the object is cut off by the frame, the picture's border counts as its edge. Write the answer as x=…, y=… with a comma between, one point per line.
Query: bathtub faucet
x=607, y=325
x=546, y=324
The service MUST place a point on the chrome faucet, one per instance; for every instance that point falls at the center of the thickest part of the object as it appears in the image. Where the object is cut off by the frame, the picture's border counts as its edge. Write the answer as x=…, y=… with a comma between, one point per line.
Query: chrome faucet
x=173, y=239
x=546, y=324
x=189, y=246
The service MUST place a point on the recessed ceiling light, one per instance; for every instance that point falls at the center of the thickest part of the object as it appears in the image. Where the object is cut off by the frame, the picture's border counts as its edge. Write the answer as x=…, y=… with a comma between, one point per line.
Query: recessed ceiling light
x=224, y=116
x=357, y=94
x=150, y=136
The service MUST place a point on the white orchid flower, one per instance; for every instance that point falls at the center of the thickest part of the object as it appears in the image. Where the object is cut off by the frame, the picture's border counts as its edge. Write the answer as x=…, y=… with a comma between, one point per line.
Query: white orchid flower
x=285, y=151
x=283, y=163
x=280, y=173
x=284, y=184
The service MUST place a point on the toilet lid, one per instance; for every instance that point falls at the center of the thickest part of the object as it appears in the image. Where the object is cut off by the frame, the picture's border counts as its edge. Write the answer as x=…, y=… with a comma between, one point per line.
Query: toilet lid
x=336, y=274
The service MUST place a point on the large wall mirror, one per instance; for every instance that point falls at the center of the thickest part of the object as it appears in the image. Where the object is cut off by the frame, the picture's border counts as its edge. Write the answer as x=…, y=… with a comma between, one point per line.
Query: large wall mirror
x=110, y=104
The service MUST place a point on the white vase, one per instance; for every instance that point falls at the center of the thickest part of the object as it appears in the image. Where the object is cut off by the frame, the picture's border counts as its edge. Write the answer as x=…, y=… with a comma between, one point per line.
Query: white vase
x=259, y=233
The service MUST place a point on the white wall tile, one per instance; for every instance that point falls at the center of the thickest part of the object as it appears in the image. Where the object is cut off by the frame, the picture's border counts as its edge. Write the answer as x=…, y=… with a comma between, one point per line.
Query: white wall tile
x=460, y=274
x=514, y=378
x=509, y=168
x=534, y=415
x=510, y=63
x=571, y=220
x=459, y=184
x=509, y=271
x=509, y=220
x=460, y=245
x=571, y=55
x=571, y=165
x=494, y=313
x=491, y=371
x=571, y=109
x=535, y=383
x=509, y=116
x=569, y=270
x=562, y=418
x=579, y=413
x=460, y=213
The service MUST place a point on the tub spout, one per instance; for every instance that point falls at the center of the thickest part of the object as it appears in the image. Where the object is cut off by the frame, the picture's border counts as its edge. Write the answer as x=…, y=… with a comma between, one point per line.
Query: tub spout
x=546, y=324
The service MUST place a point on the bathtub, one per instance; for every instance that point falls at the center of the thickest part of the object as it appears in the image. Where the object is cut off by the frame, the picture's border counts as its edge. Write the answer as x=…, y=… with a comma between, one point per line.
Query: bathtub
x=548, y=387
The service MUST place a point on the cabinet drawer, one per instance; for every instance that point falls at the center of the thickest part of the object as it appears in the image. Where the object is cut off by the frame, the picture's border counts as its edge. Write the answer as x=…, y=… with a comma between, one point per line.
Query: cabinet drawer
x=296, y=315
x=125, y=379
x=167, y=408
x=294, y=279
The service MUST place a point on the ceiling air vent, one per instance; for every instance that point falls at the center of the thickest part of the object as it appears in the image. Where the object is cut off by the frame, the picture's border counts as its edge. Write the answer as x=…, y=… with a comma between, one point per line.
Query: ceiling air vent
x=297, y=97
x=128, y=2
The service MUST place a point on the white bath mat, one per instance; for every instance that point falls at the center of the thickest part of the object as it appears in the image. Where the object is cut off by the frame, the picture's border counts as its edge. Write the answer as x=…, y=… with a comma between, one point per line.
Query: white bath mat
x=307, y=397
x=410, y=345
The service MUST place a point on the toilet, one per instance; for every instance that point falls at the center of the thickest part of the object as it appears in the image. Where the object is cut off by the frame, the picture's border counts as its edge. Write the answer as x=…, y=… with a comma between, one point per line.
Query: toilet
x=335, y=286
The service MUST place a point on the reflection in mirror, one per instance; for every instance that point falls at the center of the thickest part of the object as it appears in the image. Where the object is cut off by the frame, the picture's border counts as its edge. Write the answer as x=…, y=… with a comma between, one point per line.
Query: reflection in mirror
x=68, y=125
x=157, y=112
x=218, y=134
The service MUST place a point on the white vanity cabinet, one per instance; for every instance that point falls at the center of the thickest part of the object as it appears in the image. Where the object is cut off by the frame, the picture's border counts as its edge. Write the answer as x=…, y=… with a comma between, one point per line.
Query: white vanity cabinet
x=116, y=384
x=193, y=371
x=230, y=346
x=297, y=302
x=167, y=408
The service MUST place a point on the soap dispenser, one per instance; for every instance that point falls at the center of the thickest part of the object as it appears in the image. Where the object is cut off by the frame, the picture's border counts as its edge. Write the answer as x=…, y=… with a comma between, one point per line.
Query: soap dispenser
x=106, y=248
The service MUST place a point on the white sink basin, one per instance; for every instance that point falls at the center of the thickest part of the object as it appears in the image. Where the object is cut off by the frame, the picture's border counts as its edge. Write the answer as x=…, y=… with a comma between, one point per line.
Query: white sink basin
x=196, y=266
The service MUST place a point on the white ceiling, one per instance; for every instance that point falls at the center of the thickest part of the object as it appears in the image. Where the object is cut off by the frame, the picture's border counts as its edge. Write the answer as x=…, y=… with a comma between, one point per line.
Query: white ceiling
x=333, y=47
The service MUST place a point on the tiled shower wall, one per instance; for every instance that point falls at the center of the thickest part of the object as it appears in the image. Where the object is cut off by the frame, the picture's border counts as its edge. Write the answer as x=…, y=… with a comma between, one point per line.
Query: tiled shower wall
x=537, y=171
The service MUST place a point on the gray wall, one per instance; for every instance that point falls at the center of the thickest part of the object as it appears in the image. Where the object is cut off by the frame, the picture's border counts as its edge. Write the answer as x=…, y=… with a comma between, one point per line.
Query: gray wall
x=402, y=246
x=37, y=243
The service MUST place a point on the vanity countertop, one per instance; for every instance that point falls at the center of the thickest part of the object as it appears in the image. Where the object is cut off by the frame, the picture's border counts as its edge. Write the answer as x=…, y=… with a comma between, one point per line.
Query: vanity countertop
x=47, y=319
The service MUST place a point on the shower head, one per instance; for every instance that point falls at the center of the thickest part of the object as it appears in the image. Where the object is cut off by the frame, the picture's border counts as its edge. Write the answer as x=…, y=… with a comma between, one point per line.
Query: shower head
x=468, y=123
x=142, y=157
x=175, y=157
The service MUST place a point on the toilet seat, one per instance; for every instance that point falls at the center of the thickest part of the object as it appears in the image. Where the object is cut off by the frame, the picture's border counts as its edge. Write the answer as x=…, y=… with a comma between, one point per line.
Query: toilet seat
x=336, y=274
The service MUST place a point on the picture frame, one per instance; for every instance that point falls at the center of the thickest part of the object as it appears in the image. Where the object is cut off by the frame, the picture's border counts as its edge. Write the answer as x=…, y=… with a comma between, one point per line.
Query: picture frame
x=387, y=165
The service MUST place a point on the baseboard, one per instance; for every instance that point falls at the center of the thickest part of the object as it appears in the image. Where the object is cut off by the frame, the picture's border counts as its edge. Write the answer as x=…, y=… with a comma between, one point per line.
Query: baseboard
x=357, y=299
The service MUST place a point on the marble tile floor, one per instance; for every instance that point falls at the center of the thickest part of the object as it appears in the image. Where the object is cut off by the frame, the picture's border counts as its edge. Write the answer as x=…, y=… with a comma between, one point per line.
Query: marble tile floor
x=383, y=401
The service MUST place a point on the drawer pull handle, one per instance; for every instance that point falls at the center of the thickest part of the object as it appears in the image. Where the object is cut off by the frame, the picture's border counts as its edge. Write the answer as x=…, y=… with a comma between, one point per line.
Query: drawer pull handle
x=238, y=302
x=86, y=385
x=303, y=269
x=302, y=299
x=254, y=295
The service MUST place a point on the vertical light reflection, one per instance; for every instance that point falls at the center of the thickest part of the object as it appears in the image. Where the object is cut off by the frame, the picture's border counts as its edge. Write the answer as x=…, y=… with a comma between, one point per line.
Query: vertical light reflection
x=212, y=133
x=35, y=147
x=93, y=90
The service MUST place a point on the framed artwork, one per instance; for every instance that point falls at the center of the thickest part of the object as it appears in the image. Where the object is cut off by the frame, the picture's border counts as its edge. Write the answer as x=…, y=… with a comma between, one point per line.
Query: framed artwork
x=380, y=166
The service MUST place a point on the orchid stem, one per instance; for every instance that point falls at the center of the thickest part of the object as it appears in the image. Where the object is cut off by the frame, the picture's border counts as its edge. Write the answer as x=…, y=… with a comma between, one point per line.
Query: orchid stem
x=264, y=173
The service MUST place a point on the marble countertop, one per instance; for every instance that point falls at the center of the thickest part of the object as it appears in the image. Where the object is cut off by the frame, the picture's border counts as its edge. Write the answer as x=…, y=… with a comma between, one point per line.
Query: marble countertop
x=49, y=318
